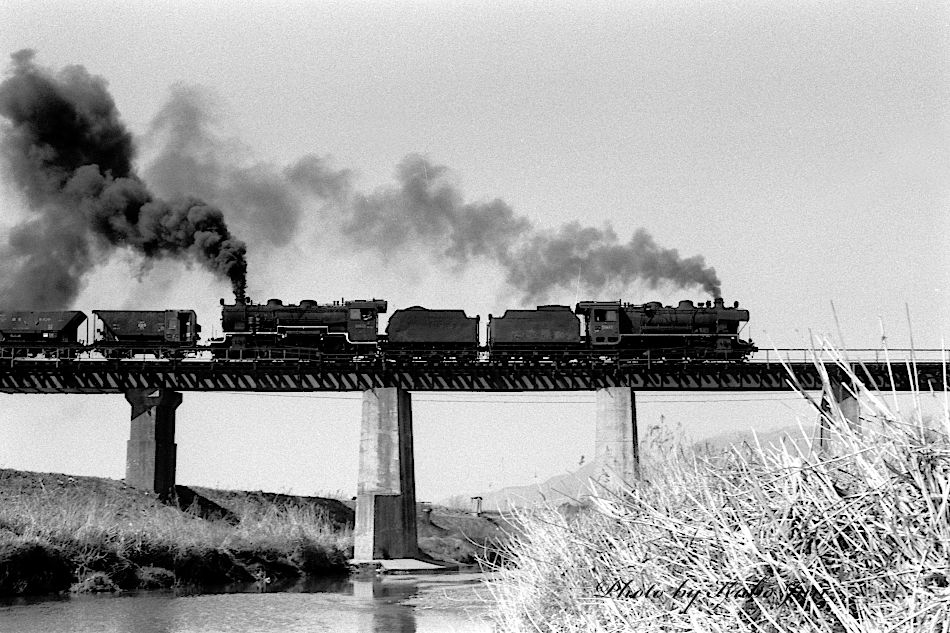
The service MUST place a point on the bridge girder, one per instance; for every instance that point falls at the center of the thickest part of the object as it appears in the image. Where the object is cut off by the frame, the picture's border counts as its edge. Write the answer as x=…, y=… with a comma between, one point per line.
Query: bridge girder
x=118, y=376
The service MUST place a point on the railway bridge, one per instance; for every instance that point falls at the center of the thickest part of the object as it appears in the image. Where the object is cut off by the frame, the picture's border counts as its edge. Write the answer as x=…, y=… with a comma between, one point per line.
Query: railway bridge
x=385, y=512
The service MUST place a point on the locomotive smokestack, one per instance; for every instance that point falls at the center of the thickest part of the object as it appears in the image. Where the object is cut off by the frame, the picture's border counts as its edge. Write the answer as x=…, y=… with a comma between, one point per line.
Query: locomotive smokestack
x=71, y=156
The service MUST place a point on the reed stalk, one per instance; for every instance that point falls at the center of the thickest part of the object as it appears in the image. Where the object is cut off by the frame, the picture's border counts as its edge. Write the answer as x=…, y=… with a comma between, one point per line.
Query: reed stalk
x=759, y=538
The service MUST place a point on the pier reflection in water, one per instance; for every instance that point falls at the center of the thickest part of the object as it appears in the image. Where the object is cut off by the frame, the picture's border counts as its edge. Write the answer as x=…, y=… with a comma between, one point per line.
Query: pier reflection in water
x=357, y=606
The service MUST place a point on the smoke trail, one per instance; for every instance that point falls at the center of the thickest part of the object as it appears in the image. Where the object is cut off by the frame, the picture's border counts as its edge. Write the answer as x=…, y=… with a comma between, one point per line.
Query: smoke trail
x=426, y=209
x=423, y=209
x=262, y=199
x=69, y=153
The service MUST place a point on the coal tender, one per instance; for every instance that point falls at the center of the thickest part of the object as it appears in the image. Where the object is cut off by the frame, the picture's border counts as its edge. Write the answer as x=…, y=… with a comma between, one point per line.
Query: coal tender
x=421, y=334
x=525, y=334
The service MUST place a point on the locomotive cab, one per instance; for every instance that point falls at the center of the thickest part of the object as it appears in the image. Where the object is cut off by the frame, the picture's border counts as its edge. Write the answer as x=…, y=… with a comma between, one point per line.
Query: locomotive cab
x=361, y=321
x=602, y=321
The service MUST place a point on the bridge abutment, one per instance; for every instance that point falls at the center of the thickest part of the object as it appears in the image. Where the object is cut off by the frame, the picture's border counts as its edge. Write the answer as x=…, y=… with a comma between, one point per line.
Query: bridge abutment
x=616, y=441
x=386, y=490
x=151, y=449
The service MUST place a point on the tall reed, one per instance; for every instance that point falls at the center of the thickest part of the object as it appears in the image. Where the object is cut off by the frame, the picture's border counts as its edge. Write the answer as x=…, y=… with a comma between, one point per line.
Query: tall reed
x=760, y=538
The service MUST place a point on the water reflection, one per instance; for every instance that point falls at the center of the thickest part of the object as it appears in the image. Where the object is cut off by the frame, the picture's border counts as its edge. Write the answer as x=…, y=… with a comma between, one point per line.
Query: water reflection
x=323, y=606
x=382, y=618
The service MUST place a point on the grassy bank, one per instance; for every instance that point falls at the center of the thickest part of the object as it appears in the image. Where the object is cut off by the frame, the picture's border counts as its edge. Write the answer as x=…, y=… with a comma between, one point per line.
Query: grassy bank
x=59, y=532
x=756, y=539
x=86, y=534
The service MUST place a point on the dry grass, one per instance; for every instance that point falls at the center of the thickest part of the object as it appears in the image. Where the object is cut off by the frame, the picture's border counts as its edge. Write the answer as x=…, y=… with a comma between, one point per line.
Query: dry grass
x=757, y=539
x=56, y=530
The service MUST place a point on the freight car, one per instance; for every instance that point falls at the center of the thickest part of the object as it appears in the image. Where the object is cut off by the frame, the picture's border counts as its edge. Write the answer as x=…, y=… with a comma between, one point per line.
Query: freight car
x=161, y=333
x=305, y=330
x=419, y=334
x=53, y=334
x=687, y=331
x=347, y=330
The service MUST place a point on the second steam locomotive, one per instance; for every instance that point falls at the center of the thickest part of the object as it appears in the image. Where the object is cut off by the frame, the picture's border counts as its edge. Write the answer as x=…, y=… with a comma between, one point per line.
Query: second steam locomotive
x=593, y=330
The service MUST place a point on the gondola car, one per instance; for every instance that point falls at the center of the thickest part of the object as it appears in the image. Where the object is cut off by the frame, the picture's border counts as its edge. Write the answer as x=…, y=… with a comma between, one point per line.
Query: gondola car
x=161, y=333
x=49, y=333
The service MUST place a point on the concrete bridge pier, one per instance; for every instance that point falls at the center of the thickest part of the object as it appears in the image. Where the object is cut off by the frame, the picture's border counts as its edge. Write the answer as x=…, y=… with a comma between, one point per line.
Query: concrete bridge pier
x=386, y=490
x=616, y=442
x=842, y=395
x=150, y=453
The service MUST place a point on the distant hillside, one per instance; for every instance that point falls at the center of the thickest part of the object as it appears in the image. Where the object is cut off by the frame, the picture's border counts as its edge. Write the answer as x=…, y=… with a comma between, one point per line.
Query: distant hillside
x=574, y=485
x=723, y=441
x=556, y=490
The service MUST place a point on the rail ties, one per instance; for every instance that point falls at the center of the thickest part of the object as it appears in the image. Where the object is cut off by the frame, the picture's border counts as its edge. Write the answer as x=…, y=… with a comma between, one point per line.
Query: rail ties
x=114, y=376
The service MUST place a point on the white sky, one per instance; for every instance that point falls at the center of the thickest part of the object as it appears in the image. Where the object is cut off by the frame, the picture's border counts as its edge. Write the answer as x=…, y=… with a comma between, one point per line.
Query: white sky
x=802, y=148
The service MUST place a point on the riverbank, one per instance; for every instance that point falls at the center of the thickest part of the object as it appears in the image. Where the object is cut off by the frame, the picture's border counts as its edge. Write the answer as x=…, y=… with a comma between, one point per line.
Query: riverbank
x=87, y=534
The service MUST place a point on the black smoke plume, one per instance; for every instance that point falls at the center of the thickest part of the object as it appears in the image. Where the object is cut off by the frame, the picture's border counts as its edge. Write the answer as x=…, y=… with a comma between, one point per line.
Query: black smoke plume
x=69, y=153
x=424, y=209
x=262, y=199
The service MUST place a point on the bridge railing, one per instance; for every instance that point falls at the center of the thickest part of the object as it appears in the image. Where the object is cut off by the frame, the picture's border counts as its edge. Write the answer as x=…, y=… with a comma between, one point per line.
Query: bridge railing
x=866, y=355
x=156, y=353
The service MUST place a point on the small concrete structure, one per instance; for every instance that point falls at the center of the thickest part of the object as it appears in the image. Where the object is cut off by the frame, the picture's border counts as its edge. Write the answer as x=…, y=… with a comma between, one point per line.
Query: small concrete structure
x=386, y=490
x=616, y=441
x=401, y=566
x=843, y=397
x=151, y=449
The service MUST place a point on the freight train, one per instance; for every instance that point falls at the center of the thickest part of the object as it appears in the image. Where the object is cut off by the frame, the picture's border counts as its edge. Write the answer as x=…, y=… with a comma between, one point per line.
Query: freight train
x=593, y=330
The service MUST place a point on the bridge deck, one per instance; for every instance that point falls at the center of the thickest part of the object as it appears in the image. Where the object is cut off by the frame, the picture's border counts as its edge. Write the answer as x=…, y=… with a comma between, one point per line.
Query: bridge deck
x=117, y=376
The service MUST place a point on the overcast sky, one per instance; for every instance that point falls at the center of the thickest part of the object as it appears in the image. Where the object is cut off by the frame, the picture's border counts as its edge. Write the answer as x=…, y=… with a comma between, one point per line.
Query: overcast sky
x=800, y=148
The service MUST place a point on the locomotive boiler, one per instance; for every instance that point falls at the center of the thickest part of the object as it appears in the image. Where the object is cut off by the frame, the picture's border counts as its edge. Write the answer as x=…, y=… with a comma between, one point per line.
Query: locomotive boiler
x=708, y=330
x=302, y=330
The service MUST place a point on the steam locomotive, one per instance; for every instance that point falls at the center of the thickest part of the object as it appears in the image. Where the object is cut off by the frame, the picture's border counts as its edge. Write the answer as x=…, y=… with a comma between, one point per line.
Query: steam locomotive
x=601, y=330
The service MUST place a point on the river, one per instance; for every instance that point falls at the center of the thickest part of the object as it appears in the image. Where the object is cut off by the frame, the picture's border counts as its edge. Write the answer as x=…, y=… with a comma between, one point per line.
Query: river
x=393, y=604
